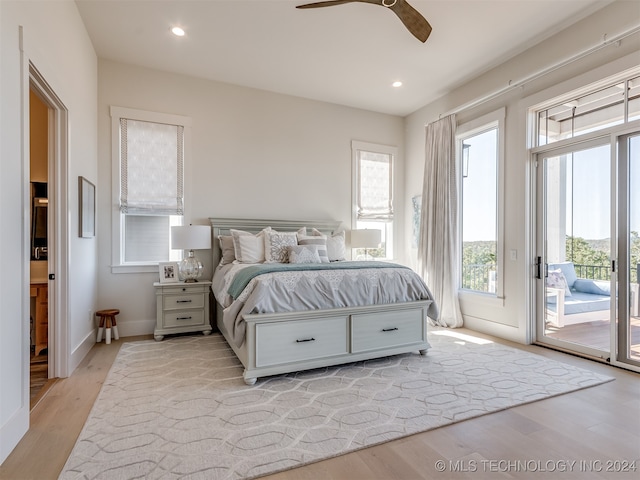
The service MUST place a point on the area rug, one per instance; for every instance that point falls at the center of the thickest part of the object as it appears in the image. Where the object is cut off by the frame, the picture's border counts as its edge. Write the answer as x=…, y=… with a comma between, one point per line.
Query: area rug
x=180, y=408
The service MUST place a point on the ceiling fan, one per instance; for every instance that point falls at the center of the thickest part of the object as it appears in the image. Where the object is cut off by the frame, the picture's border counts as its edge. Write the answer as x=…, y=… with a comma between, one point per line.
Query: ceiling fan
x=411, y=18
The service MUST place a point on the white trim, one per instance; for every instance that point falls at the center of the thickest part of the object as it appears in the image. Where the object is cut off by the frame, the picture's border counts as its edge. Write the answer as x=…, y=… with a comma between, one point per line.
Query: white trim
x=80, y=352
x=147, y=116
x=59, y=248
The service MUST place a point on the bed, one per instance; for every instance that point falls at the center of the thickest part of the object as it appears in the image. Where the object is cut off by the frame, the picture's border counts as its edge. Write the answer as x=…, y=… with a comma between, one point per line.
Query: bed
x=283, y=335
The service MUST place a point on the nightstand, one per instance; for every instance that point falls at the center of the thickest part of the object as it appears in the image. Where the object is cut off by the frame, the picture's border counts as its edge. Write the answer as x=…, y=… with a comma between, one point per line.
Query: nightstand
x=181, y=307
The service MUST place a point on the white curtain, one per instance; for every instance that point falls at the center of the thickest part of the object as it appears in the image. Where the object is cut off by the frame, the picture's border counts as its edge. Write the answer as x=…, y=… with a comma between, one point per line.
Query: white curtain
x=438, y=244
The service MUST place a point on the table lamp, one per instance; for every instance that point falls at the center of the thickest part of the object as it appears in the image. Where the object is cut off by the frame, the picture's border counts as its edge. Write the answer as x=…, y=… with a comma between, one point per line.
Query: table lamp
x=366, y=238
x=191, y=237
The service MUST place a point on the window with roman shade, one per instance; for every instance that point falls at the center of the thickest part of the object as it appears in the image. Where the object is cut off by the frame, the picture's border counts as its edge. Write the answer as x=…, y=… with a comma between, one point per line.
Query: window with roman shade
x=375, y=182
x=149, y=153
x=373, y=166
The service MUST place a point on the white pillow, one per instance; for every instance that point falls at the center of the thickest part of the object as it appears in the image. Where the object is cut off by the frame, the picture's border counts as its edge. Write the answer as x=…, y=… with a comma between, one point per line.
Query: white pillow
x=318, y=240
x=304, y=254
x=249, y=248
x=336, y=247
x=556, y=279
x=275, y=245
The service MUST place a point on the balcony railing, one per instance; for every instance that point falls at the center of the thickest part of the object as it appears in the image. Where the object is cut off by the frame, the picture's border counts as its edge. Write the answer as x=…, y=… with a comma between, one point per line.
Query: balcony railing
x=603, y=272
x=480, y=277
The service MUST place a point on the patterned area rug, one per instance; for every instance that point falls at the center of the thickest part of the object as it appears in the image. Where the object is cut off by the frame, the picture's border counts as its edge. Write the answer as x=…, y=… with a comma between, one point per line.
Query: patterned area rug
x=180, y=408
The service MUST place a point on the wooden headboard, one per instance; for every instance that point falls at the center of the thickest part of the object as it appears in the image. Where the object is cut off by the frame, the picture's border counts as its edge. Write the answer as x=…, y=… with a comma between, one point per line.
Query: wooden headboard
x=222, y=226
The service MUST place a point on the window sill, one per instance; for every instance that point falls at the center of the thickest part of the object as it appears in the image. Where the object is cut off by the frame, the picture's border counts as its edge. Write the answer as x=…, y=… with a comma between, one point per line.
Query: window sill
x=480, y=298
x=146, y=268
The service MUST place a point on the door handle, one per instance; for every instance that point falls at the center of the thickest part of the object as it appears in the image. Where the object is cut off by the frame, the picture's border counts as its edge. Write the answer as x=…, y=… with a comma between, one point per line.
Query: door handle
x=538, y=268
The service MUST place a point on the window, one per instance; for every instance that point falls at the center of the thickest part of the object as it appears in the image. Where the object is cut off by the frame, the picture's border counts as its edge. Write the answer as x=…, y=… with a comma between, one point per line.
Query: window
x=373, y=195
x=479, y=147
x=615, y=103
x=148, y=165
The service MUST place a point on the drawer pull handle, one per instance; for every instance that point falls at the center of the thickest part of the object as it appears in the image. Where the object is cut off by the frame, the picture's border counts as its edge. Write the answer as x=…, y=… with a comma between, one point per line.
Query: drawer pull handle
x=389, y=329
x=306, y=340
x=183, y=318
x=183, y=301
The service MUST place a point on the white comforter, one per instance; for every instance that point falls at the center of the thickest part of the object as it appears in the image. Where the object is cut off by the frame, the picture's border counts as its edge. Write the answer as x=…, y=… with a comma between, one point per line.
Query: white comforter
x=290, y=291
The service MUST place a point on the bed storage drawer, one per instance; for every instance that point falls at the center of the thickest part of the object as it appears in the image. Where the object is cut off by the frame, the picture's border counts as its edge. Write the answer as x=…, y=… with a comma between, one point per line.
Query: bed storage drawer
x=371, y=331
x=286, y=342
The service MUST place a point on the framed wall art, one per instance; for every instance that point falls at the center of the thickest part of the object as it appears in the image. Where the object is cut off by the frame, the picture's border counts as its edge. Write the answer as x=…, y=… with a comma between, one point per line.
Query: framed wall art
x=87, y=203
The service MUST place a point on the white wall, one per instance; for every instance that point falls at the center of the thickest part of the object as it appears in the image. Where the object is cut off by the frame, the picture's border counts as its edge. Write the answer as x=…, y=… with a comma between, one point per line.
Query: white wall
x=508, y=318
x=254, y=154
x=56, y=42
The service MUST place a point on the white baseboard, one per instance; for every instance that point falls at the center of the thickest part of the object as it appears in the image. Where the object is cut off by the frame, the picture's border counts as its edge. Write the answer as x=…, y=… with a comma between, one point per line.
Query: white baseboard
x=13, y=430
x=78, y=354
x=131, y=328
x=500, y=330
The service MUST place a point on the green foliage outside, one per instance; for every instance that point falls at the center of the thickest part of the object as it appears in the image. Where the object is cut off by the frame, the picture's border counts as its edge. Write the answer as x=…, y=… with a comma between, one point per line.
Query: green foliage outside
x=597, y=253
x=478, y=260
x=591, y=257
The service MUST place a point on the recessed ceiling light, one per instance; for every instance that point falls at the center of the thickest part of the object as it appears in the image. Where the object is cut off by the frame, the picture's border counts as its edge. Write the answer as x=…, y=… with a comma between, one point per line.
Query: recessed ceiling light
x=396, y=84
x=177, y=31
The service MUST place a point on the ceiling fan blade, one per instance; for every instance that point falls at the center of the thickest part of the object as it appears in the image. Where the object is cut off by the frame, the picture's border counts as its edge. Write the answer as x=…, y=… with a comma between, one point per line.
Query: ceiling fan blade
x=412, y=19
x=331, y=3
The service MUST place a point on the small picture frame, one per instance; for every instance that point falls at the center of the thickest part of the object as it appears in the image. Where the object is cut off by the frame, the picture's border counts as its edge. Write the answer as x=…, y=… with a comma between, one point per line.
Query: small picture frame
x=87, y=204
x=168, y=272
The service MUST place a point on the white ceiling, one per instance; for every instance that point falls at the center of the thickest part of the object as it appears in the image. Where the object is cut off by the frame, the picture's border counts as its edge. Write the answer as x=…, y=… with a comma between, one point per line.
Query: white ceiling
x=347, y=54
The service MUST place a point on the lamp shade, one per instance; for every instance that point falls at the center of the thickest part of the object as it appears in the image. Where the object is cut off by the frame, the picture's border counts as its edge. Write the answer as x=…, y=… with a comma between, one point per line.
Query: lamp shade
x=366, y=238
x=191, y=237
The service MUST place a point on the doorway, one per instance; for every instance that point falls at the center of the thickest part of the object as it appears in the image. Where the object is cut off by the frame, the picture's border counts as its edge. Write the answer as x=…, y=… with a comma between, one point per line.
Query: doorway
x=57, y=240
x=587, y=248
x=39, y=151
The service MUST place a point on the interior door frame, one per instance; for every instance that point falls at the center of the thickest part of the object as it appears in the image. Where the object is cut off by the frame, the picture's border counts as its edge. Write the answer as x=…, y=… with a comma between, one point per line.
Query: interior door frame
x=57, y=228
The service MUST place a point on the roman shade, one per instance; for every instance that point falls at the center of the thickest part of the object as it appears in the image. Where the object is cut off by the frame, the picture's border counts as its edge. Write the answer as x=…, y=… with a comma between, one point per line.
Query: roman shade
x=151, y=168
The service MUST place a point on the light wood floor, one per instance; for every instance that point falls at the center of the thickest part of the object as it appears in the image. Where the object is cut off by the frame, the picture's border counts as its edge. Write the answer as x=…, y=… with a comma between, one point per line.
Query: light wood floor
x=597, y=334
x=598, y=428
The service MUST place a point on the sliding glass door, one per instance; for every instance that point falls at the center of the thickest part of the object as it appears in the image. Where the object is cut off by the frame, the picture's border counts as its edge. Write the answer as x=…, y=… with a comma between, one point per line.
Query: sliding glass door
x=628, y=344
x=574, y=258
x=588, y=248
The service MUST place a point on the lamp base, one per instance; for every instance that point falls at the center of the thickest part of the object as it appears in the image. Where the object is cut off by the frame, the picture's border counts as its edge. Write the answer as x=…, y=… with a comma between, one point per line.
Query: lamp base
x=190, y=268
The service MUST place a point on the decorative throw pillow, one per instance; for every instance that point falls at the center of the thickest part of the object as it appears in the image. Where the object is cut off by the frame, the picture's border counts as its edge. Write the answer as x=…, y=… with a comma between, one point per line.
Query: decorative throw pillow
x=556, y=279
x=336, y=246
x=319, y=241
x=249, y=248
x=275, y=245
x=304, y=254
x=227, y=248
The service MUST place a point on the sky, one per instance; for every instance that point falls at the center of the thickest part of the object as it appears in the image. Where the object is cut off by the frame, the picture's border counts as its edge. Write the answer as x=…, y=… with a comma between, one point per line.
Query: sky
x=589, y=179
x=588, y=184
x=479, y=205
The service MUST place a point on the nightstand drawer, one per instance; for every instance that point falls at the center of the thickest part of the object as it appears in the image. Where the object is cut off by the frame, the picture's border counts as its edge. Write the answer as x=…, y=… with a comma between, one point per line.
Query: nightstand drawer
x=184, y=318
x=171, y=302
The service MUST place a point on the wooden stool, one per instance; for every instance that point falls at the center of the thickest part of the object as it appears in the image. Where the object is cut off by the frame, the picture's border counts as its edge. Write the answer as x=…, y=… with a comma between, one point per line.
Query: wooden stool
x=108, y=317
